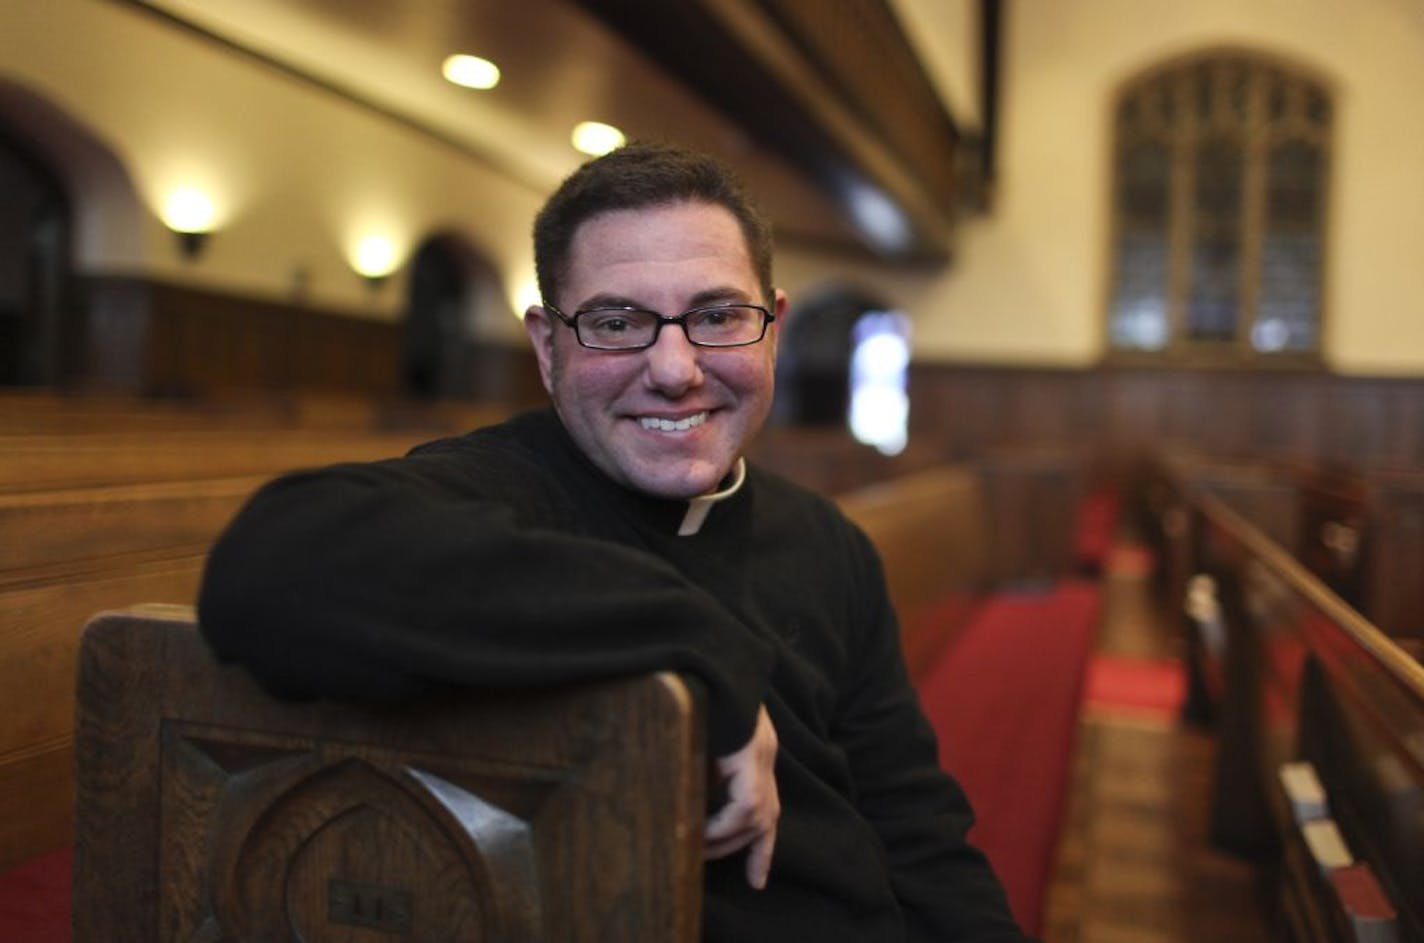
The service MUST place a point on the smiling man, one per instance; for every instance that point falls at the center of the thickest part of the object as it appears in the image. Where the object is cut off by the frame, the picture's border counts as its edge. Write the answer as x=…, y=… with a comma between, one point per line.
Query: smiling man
x=623, y=531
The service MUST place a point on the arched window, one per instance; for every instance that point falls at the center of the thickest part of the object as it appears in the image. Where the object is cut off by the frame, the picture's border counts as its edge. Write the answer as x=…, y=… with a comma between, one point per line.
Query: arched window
x=1220, y=166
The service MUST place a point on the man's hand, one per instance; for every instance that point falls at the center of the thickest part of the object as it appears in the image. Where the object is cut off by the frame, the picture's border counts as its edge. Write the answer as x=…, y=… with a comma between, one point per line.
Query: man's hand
x=753, y=807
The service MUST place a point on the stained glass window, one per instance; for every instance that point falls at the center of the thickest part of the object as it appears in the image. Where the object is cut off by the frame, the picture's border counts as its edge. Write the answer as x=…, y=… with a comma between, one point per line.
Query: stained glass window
x=1221, y=161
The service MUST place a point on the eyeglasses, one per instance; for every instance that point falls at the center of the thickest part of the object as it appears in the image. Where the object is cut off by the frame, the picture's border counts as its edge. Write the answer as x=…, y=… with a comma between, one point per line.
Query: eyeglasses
x=621, y=328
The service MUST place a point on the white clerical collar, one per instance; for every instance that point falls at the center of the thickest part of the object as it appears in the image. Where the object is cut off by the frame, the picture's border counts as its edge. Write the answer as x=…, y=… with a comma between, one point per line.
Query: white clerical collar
x=698, y=507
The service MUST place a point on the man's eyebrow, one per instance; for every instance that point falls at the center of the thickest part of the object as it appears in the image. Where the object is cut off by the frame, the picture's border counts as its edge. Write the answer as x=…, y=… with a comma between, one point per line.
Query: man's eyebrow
x=708, y=296
x=604, y=300
x=721, y=295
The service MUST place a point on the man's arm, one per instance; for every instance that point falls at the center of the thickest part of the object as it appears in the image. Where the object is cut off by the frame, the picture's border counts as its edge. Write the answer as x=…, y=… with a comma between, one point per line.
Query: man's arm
x=382, y=581
x=945, y=885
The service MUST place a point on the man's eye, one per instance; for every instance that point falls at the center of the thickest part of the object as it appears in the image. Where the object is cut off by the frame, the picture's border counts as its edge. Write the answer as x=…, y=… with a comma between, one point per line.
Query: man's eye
x=610, y=324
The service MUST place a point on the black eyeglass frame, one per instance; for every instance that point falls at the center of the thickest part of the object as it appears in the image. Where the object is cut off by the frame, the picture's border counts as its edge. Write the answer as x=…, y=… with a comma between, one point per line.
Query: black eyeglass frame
x=571, y=321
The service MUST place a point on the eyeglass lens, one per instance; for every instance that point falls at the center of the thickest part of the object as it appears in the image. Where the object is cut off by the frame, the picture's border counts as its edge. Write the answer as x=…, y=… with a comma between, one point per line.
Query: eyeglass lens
x=623, y=328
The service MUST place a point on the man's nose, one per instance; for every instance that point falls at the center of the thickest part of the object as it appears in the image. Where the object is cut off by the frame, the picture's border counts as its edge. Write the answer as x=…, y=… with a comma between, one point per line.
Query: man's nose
x=674, y=364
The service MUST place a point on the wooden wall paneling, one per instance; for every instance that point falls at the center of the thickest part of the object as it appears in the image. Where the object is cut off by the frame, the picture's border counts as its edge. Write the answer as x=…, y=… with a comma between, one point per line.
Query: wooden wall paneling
x=1285, y=415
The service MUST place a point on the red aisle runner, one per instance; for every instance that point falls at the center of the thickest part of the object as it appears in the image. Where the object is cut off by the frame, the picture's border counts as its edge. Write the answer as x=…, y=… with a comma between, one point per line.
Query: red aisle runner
x=1004, y=702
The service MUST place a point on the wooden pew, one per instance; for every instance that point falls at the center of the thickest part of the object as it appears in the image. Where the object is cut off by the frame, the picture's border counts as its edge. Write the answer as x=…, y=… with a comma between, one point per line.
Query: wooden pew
x=1005, y=719
x=932, y=533
x=1309, y=678
x=40, y=412
x=1033, y=498
x=98, y=520
x=52, y=462
x=1362, y=533
x=106, y=502
x=1169, y=486
x=208, y=810
x=69, y=554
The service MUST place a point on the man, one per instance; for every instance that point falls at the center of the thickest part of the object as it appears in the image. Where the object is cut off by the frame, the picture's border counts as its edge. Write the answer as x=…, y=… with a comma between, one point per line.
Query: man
x=622, y=531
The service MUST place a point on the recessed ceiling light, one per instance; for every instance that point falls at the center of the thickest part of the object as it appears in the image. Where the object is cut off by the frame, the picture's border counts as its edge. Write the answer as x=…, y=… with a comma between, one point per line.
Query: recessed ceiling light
x=596, y=138
x=470, y=71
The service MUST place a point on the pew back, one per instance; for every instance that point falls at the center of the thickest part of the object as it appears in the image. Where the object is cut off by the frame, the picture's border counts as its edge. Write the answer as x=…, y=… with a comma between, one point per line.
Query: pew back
x=1309, y=677
x=208, y=810
x=932, y=534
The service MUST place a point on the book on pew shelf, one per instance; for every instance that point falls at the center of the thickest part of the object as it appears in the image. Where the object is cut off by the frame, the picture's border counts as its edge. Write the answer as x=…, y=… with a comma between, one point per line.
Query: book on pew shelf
x=1368, y=912
x=1327, y=846
x=1303, y=789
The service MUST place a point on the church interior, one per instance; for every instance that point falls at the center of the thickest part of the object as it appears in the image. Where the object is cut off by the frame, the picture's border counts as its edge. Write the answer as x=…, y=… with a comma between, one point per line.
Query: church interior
x=1104, y=325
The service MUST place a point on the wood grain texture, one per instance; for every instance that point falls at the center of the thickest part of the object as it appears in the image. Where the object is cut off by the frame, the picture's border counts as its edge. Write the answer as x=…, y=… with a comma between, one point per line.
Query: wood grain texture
x=208, y=810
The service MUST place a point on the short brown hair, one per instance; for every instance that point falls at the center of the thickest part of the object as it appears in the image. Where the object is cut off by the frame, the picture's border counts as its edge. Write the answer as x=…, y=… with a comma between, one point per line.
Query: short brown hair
x=633, y=177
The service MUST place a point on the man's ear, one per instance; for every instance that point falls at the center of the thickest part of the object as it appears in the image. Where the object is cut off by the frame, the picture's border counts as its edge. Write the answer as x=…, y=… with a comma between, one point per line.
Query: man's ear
x=539, y=325
x=780, y=307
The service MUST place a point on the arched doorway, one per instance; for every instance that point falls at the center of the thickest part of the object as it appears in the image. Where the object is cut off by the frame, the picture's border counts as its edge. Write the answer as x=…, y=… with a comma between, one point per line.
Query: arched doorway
x=454, y=293
x=432, y=327
x=34, y=266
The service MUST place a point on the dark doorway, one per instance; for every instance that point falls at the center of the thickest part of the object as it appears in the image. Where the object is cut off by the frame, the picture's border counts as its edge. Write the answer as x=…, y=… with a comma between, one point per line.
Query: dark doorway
x=814, y=357
x=34, y=267
x=435, y=334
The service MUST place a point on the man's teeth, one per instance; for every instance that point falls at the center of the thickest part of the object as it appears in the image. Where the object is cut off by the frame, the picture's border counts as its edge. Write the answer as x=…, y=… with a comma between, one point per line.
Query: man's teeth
x=673, y=425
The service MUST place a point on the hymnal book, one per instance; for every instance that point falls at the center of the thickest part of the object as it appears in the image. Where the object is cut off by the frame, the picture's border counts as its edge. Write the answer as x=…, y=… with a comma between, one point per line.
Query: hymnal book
x=1368, y=912
x=1327, y=846
x=1303, y=789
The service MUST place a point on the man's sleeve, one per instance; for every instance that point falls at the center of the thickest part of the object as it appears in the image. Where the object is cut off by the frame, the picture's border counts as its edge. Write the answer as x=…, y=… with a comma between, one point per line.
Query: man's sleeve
x=945, y=885
x=377, y=581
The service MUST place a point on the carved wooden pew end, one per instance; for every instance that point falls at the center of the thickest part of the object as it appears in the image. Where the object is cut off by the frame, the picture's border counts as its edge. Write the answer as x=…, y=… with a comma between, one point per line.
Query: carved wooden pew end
x=208, y=810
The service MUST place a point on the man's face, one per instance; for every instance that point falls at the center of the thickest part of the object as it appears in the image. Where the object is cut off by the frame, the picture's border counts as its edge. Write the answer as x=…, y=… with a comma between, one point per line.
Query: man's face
x=617, y=405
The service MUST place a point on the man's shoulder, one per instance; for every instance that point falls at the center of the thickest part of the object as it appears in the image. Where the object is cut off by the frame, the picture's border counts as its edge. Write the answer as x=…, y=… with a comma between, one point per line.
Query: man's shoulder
x=524, y=434
x=507, y=459
x=796, y=500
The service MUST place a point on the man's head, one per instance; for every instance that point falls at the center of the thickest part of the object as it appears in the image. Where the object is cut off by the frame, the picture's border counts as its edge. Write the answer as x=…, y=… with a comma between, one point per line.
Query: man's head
x=669, y=419
x=634, y=177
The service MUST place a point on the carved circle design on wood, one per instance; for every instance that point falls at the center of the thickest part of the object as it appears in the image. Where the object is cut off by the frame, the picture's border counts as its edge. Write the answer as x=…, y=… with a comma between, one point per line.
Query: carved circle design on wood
x=300, y=870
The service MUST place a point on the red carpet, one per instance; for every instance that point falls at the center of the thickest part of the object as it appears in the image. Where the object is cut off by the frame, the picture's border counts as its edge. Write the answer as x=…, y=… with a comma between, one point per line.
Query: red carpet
x=1096, y=528
x=1151, y=687
x=1004, y=702
x=34, y=900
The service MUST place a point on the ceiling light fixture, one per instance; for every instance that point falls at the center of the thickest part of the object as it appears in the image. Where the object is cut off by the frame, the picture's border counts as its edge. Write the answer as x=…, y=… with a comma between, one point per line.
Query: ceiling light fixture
x=470, y=71
x=595, y=138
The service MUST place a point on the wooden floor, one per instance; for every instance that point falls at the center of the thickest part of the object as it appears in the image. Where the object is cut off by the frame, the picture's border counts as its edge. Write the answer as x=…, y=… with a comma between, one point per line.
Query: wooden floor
x=1133, y=863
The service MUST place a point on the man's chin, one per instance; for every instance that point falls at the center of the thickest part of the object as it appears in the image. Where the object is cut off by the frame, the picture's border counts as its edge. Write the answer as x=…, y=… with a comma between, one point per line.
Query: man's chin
x=678, y=483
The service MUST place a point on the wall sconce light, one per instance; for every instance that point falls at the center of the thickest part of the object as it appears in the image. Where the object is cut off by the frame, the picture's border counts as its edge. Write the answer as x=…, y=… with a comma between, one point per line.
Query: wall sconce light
x=190, y=213
x=374, y=259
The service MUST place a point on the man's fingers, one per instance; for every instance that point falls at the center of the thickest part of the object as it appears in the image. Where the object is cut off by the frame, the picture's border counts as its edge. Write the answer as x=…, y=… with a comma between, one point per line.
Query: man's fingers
x=759, y=860
x=748, y=819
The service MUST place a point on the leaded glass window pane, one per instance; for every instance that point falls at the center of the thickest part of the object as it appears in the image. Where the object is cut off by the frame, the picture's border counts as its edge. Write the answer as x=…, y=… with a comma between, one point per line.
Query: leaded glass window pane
x=1218, y=208
x=1212, y=308
x=1139, y=314
x=1288, y=310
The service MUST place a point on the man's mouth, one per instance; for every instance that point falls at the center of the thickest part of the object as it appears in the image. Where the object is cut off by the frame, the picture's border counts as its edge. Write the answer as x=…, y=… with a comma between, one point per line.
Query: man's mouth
x=654, y=424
